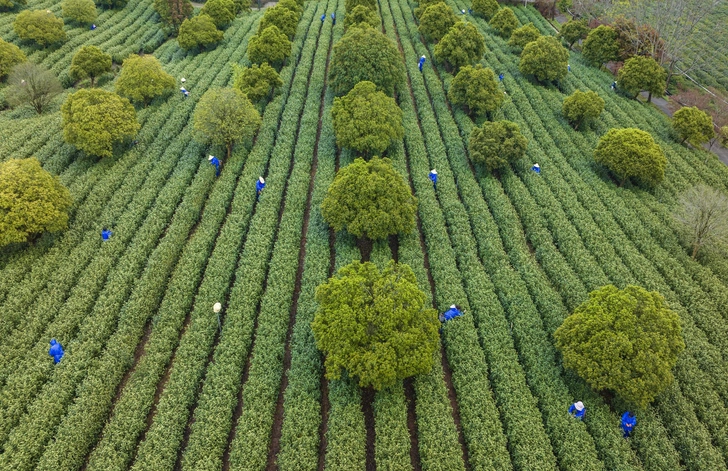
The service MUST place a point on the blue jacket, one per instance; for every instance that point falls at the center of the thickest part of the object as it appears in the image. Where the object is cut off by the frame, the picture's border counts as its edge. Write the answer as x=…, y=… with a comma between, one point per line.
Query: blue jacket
x=56, y=351
x=500, y=77
x=433, y=177
x=215, y=161
x=628, y=422
x=259, y=186
x=422, y=61
x=451, y=313
x=579, y=414
x=323, y=17
x=105, y=234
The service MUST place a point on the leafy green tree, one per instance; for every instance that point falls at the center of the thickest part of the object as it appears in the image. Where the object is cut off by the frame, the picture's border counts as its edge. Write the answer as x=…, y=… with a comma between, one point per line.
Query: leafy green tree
x=111, y=3
x=504, y=22
x=366, y=120
x=523, y=35
x=462, y=45
x=375, y=325
x=724, y=136
x=90, y=62
x=371, y=200
x=142, y=79
x=10, y=56
x=351, y=4
x=12, y=4
x=422, y=6
x=580, y=107
x=291, y=5
x=269, y=45
x=485, y=8
x=702, y=214
x=81, y=11
x=365, y=54
x=477, y=89
x=256, y=82
x=436, y=21
x=40, y=26
x=546, y=59
x=601, y=46
x=94, y=120
x=283, y=18
x=199, y=31
x=222, y=12
x=362, y=15
x=32, y=201
x=564, y=5
x=225, y=116
x=173, y=12
x=32, y=84
x=642, y=73
x=624, y=341
x=693, y=125
x=497, y=144
x=573, y=31
x=631, y=152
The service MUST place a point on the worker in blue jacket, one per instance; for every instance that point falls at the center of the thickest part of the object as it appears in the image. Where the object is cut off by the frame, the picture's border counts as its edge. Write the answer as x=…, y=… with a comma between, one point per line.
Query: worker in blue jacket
x=451, y=313
x=422, y=62
x=184, y=91
x=628, y=423
x=577, y=410
x=56, y=351
x=259, y=185
x=106, y=234
x=323, y=17
x=433, y=177
x=501, y=76
x=333, y=18
x=216, y=162
x=536, y=168
x=93, y=27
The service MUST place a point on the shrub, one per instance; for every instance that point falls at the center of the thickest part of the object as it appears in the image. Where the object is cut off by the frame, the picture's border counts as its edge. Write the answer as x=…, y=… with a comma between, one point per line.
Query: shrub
x=631, y=152
x=497, y=144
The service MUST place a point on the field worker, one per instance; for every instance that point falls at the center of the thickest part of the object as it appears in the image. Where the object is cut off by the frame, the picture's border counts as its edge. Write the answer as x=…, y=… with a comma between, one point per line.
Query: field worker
x=568, y=68
x=184, y=91
x=500, y=77
x=462, y=12
x=259, y=185
x=536, y=168
x=323, y=17
x=183, y=80
x=333, y=18
x=470, y=11
x=93, y=27
x=614, y=86
x=451, y=313
x=106, y=234
x=422, y=62
x=433, y=177
x=216, y=162
x=628, y=423
x=56, y=351
x=577, y=410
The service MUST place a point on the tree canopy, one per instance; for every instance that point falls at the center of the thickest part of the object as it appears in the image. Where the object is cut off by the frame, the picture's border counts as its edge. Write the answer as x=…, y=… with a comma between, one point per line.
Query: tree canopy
x=269, y=45
x=370, y=200
x=375, y=325
x=642, y=73
x=497, y=144
x=111, y=3
x=225, y=116
x=10, y=56
x=82, y=11
x=173, y=12
x=485, y=8
x=631, y=152
x=436, y=21
x=625, y=341
x=546, y=59
x=523, y=35
x=366, y=120
x=362, y=15
x=580, y=107
x=702, y=214
x=476, y=88
x=10, y=4
x=90, y=62
x=142, y=79
x=693, y=125
x=292, y=5
x=40, y=26
x=351, y=4
x=94, y=120
x=32, y=84
x=601, y=46
x=199, y=31
x=365, y=54
x=281, y=17
x=32, y=201
x=222, y=12
x=462, y=45
x=504, y=22
x=257, y=81
x=573, y=31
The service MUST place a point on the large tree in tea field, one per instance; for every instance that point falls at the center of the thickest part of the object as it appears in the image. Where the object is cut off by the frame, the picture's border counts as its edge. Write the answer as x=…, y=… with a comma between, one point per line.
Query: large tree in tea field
x=142, y=79
x=546, y=59
x=477, y=89
x=40, y=26
x=693, y=125
x=462, y=45
x=436, y=21
x=90, y=62
x=10, y=56
x=580, y=107
x=631, y=152
x=497, y=144
x=34, y=85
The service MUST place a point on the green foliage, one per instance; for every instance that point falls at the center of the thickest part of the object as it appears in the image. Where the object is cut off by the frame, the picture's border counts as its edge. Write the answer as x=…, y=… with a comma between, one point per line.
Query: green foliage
x=351, y=4
x=642, y=73
x=40, y=26
x=12, y=4
x=476, y=88
x=142, y=79
x=626, y=341
x=291, y=5
x=90, y=62
x=497, y=144
x=10, y=56
x=582, y=106
x=422, y=6
x=631, y=152
x=365, y=54
x=32, y=84
x=244, y=6
x=199, y=31
x=222, y=12
x=82, y=11
x=94, y=120
x=32, y=201
x=504, y=22
x=564, y=6
x=485, y=8
x=366, y=120
x=573, y=31
x=546, y=59
x=269, y=45
x=173, y=12
x=256, y=82
x=362, y=15
x=462, y=45
x=693, y=125
x=225, y=116
x=436, y=21
x=370, y=200
x=111, y=3
x=724, y=136
x=523, y=35
x=375, y=324
x=284, y=19
x=601, y=45
x=702, y=214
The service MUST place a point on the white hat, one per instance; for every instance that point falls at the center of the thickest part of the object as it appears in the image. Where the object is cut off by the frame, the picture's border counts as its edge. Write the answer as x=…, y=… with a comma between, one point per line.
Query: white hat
x=261, y=180
x=453, y=307
x=182, y=88
x=182, y=80
x=423, y=56
x=217, y=307
x=433, y=171
x=579, y=406
x=537, y=165
x=211, y=157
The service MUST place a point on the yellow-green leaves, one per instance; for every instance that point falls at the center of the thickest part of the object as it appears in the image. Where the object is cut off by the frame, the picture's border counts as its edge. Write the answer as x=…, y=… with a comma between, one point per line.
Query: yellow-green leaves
x=632, y=152
x=142, y=79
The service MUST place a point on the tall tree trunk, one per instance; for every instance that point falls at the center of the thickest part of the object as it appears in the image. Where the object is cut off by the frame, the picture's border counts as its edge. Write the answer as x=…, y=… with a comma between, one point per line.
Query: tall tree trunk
x=229, y=150
x=649, y=97
x=696, y=247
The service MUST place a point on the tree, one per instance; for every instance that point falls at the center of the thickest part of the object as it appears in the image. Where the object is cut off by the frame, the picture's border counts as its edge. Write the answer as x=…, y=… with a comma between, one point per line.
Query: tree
x=32, y=201
x=485, y=8
x=90, y=62
x=573, y=31
x=111, y=3
x=81, y=11
x=436, y=21
x=375, y=325
x=222, y=12
x=142, y=79
x=351, y=4
x=625, y=341
x=546, y=59
x=285, y=19
x=497, y=144
x=173, y=12
x=225, y=116
x=601, y=46
x=702, y=213
x=724, y=136
x=32, y=84
x=462, y=45
x=642, y=73
x=582, y=106
x=422, y=6
x=10, y=56
x=269, y=45
x=365, y=54
x=12, y=4
x=256, y=82
x=94, y=120
x=693, y=125
x=362, y=15
x=504, y=22
x=199, y=31
x=523, y=35
x=291, y=5
x=476, y=88
x=636, y=40
x=631, y=152
x=40, y=26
